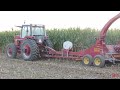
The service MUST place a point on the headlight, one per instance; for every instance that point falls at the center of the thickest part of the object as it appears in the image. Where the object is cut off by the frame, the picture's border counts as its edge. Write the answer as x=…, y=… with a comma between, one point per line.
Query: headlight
x=40, y=41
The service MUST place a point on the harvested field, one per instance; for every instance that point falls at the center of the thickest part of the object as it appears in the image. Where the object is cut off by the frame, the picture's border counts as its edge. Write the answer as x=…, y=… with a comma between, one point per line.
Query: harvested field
x=54, y=69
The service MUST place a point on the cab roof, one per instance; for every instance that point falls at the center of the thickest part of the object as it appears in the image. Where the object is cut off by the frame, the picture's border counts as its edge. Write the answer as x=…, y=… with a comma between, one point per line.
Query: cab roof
x=33, y=25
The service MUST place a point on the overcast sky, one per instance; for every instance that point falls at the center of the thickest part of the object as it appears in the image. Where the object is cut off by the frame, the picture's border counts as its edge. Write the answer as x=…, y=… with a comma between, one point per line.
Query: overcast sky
x=58, y=19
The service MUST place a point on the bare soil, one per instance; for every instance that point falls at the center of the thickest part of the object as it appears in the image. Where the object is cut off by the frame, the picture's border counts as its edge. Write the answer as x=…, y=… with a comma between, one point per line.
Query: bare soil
x=54, y=69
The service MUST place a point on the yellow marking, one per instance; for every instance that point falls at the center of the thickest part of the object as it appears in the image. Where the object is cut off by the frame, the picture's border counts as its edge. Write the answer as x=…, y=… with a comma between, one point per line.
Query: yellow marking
x=96, y=49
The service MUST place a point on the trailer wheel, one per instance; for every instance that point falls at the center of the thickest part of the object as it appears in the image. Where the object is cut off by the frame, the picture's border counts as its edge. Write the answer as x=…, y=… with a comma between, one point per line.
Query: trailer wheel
x=11, y=50
x=87, y=60
x=99, y=61
x=29, y=50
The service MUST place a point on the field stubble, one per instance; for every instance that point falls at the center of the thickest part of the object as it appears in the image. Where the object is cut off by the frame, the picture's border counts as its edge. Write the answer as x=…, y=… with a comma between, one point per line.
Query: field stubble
x=54, y=69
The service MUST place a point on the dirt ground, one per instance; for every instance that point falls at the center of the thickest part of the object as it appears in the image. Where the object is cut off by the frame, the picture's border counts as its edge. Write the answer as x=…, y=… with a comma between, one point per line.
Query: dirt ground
x=54, y=69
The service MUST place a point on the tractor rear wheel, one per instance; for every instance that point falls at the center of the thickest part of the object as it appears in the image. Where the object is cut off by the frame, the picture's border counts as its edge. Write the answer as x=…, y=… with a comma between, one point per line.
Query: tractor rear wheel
x=29, y=50
x=48, y=43
x=11, y=50
x=87, y=60
x=99, y=61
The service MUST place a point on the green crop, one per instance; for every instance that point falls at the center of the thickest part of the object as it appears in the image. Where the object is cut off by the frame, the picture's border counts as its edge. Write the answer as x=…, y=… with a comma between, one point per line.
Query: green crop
x=79, y=37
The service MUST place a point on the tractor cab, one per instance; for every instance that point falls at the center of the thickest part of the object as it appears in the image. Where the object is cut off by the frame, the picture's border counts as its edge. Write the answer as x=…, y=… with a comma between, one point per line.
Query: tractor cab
x=35, y=31
x=32, y=30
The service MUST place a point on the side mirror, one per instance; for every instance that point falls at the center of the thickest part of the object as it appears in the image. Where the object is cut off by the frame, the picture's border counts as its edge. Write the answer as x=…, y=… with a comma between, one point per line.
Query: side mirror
x=19, y=26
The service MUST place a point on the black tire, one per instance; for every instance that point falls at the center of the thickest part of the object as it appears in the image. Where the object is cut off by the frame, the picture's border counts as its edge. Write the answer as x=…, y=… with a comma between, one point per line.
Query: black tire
x=34, y=50
x=48, y=43
x=89, y=60
x=99, y=61
x=11, y=50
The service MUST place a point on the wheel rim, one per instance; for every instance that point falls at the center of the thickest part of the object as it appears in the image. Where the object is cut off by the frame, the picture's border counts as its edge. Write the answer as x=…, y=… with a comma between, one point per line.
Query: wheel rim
x=97, y=61
x=9, y=51
x=86, y=60
x=27, y=50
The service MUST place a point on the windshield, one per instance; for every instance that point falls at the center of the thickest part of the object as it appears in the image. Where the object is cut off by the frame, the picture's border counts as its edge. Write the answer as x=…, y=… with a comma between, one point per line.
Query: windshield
x=25, y=31
x=38, y=31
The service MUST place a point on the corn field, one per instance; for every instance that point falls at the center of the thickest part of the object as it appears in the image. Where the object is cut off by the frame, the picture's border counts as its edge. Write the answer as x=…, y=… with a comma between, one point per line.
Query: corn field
x=79, y=37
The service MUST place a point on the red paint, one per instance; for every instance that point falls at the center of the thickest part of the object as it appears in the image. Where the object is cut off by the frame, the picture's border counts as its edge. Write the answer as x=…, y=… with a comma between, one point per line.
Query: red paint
x=27, y=50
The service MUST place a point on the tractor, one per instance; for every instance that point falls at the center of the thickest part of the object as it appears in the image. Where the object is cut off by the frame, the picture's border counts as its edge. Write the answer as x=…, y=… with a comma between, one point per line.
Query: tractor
x=30, y=43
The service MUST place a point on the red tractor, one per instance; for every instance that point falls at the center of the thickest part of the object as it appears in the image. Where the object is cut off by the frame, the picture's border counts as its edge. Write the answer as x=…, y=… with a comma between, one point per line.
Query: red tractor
x=29, y=43
x=33, y=43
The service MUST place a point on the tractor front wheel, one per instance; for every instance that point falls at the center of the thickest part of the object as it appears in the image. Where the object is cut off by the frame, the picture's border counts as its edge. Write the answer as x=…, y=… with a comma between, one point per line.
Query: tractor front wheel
x=87, y=60
x=29, y=50
x=11, y=50
x=99, y=61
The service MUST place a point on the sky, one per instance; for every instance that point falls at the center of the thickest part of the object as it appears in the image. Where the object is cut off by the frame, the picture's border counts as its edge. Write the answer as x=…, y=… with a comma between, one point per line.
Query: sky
x=58, y=19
